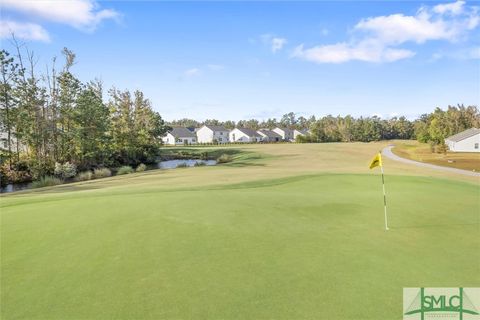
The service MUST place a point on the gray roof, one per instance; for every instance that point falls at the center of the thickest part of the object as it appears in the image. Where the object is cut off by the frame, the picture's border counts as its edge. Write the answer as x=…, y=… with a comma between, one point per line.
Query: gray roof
x=284, y=129
x=249, y=132
x=464, y=135
x=302, y=131
x=269, y=133
x=180, y=132
x=216, y=128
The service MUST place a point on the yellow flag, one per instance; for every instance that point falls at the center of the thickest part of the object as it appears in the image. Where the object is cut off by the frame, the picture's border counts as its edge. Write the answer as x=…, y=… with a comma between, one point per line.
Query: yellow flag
x=376, y=162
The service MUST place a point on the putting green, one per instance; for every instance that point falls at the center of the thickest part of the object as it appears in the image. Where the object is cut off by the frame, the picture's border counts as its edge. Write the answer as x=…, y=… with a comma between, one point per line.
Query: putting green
x=306, y=243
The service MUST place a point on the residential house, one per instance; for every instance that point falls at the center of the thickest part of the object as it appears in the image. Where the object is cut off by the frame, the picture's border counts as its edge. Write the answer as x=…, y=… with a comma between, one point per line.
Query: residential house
x=244, y=135
x=285, y=133
x=269, y=135
x=212, y=134
x=179, y=136
x=465, y=141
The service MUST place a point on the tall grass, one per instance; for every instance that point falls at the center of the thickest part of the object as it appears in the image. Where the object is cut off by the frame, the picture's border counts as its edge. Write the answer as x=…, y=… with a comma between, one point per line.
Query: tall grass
x=224, y=158
x=125, y=170
x=141, y=167
x=84, y=176
x=101, y=173
x=46, y=181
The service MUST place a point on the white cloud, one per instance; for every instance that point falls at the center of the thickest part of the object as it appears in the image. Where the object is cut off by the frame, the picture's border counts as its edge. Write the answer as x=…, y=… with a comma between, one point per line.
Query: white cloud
x=192, y=72
x=398, y=29
x=278, y=43
x=376, y=39
x=275, y=43
x=81, y=14
x=367, y=51
x=26, y=31
x=453, y=8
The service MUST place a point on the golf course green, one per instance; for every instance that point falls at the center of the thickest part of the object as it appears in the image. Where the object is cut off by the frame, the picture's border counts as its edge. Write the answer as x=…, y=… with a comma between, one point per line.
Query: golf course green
x=287, y=231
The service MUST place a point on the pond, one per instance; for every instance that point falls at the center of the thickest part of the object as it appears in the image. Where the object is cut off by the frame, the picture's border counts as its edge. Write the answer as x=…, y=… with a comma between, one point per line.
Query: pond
x=167, y=164
x=172, y=164
x=15, y=187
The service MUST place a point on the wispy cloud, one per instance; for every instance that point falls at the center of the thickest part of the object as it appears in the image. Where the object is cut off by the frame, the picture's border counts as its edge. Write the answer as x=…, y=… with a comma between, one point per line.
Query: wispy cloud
x=275, y=43
x=376, y=39
x=27, y=31
x=192, y=72
x=369, y=51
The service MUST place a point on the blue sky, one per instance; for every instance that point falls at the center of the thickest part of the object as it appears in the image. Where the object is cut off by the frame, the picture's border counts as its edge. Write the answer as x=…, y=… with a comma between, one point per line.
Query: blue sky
x=241, y=60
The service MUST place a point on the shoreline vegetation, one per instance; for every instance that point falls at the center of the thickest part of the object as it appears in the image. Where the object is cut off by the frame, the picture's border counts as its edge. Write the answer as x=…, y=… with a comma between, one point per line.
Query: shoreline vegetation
x=219, y=156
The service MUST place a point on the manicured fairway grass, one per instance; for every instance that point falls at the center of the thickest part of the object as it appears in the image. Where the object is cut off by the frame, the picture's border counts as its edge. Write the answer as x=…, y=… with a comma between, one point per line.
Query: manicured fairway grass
x=305, y=243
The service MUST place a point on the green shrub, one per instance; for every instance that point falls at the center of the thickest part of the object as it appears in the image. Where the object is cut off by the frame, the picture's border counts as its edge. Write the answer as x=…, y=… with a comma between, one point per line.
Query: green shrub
x=224, y=158
x=101, y=173
x=141, y=167
x=46, y=181
x=84, y=176
x=182, y=165
x=200, y=164
x=66, y=170
x=125, y=170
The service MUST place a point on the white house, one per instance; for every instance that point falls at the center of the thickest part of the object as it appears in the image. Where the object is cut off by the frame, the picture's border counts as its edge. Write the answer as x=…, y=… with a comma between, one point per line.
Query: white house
x=212, y=134
x=14, y=144
x=269, y=135
x=286, y=133
x=4, y=141
x=301, y=132
x=244, y=135
x=466, y=141
x=179, y=136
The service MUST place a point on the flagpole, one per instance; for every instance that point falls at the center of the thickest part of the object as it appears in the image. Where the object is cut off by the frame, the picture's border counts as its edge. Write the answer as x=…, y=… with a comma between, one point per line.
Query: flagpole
x=384, y=199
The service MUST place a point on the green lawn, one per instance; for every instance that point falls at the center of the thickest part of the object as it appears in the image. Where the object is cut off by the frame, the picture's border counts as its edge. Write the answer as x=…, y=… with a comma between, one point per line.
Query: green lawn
x=295, y=232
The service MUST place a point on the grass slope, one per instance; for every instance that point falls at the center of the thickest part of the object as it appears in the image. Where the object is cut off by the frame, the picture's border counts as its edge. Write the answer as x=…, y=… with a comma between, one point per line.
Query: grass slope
x=303, y=242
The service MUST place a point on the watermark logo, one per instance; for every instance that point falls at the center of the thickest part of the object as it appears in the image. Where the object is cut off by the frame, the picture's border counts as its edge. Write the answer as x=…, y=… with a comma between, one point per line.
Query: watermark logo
x=441, y=303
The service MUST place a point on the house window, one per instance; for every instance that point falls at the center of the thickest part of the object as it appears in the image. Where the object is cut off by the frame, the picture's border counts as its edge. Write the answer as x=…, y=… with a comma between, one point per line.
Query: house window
x=221, y=133
x=476, y=145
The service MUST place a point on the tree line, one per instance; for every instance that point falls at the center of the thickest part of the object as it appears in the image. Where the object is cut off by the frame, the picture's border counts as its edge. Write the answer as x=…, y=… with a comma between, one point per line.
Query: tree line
x=431, y=128
x=52, y=117
x=434, y=127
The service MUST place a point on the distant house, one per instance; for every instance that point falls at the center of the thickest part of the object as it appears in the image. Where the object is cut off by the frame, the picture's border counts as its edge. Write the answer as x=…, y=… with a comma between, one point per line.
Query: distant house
x=212, y=134
x=269, y=135
x=300, y=132
x=244, y=135
x=285, y=133
x=15, y=145
x=179, y=136
x=4, y=141
x=466, y=141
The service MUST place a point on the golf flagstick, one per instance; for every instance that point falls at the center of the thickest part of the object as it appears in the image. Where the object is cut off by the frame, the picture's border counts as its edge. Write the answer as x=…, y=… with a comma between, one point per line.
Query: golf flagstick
x=377, y=162
x=384, y=198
